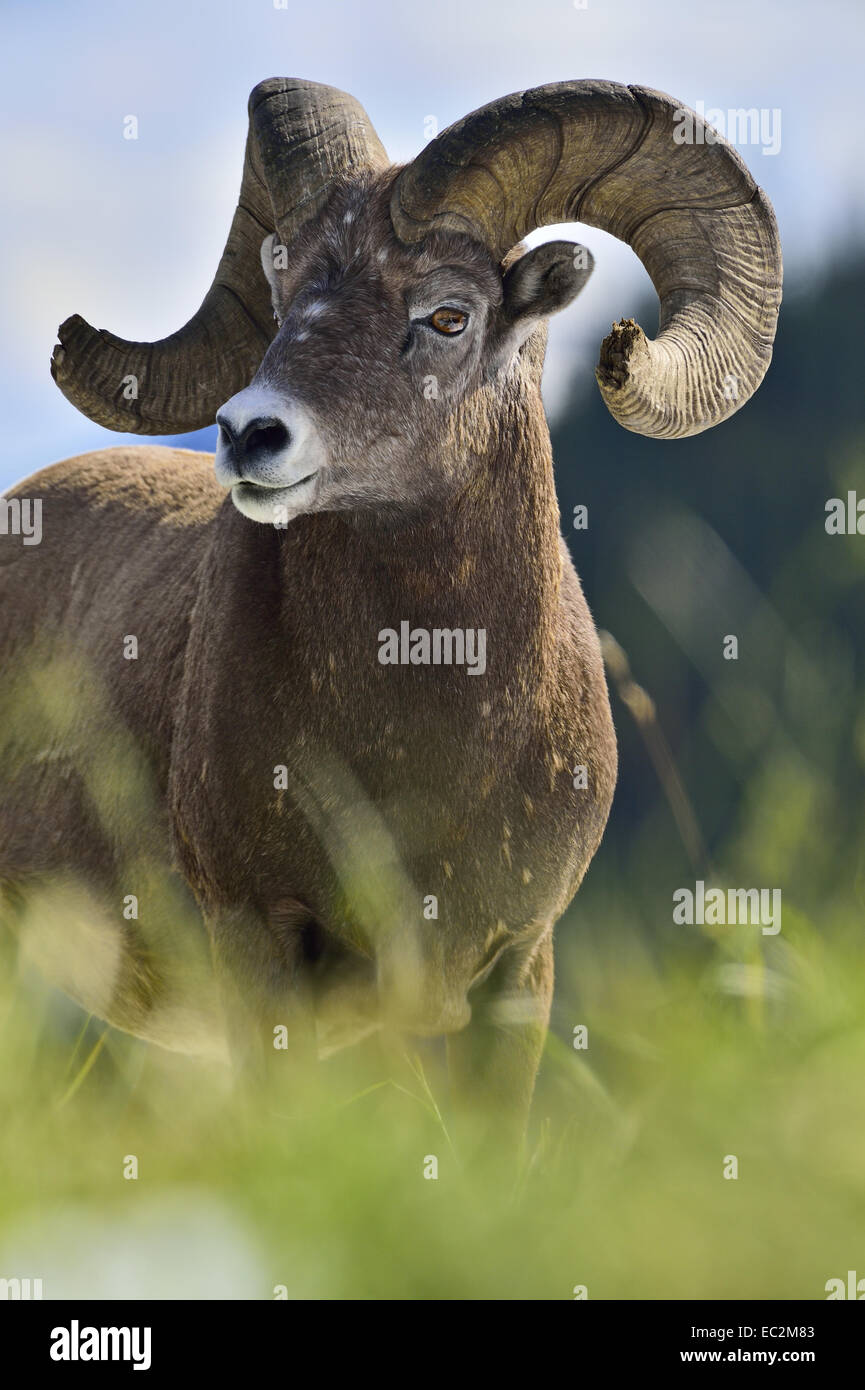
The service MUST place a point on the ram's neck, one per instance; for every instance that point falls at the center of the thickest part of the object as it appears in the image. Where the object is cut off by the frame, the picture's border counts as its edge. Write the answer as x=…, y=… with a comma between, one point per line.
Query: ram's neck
x=488, y=556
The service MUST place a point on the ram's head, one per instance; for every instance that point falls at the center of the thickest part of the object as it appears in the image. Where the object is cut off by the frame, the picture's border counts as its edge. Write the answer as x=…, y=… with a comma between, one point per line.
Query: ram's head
x=367, y=323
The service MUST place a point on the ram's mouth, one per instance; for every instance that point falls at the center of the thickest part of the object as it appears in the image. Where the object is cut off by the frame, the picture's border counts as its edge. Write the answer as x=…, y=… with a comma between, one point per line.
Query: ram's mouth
x=274, y=504
x=268, y=489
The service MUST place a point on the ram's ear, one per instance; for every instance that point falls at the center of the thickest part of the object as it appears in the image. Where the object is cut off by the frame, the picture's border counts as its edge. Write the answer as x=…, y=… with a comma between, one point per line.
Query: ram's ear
x=545, y=280
x=273, y=260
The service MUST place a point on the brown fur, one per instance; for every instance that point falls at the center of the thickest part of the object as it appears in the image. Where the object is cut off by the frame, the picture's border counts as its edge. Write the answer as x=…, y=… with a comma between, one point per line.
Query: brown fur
x=258, y=648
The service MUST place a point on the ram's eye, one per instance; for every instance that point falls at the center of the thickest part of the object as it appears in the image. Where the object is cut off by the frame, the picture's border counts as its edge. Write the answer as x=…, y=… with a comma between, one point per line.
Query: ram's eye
x=449, y=320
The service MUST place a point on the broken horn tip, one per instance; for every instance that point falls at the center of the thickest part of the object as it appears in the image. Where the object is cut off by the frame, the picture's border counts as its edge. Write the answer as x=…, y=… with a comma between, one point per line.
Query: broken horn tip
x=73, y=324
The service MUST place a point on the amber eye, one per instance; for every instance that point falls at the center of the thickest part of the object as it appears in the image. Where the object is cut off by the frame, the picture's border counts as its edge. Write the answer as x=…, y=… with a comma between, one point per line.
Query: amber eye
x=449, y=320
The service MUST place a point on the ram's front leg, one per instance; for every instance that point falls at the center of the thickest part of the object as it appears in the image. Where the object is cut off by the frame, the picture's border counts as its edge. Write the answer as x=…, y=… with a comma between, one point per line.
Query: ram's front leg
x=494, y=1061
x=259, y=963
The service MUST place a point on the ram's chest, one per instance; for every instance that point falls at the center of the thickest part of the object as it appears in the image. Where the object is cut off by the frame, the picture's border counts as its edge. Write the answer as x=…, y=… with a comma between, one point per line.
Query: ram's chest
x=355, y=754
x=428, y=809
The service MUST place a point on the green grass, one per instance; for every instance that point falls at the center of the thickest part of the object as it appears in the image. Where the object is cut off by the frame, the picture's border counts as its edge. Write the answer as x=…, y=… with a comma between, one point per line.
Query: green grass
x=732, y=1045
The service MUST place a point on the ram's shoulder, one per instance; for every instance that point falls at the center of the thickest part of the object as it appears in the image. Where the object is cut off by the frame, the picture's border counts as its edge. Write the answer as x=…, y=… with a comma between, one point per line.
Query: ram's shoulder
x=175, y=484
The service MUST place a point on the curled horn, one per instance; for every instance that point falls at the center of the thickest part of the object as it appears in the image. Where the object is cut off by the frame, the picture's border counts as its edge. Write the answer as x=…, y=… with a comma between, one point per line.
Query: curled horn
x=301, y=137
x=635, y=163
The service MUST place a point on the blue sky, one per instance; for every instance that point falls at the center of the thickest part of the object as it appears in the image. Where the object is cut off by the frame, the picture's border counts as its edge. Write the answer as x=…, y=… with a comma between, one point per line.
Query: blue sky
x=128, y=233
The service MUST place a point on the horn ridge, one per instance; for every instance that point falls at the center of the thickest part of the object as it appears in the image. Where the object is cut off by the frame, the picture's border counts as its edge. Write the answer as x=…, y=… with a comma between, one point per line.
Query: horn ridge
x=605, y=154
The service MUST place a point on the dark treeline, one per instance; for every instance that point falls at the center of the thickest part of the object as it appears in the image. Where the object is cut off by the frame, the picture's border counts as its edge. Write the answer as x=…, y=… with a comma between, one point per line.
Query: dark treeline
x=690, y=542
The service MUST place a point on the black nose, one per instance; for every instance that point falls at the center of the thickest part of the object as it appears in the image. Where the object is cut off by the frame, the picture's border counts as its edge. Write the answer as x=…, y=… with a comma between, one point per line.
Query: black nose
x=257, y=440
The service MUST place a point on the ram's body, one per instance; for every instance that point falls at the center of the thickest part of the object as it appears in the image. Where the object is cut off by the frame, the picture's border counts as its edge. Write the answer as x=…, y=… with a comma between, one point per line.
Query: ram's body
x=197, y=727
x=470, y=781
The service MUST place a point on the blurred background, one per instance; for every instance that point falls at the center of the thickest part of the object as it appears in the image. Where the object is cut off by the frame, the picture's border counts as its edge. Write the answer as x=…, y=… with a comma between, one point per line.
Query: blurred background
x=703, y=1043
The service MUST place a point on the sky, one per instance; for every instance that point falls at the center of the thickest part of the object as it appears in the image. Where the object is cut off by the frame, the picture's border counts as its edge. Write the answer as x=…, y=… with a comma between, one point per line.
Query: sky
x=128, y=233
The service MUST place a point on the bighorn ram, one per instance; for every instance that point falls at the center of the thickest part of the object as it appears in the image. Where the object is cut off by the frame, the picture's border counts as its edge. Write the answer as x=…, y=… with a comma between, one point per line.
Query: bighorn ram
x=368, y=838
